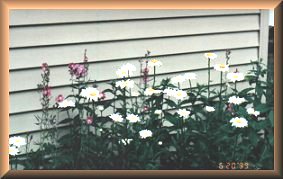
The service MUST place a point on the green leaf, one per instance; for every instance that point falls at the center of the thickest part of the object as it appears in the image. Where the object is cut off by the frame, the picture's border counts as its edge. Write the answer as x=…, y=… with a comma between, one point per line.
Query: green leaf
x=170, y=103
x=185, y=102
x=245, y=91
x=262, y=108
x=171, y=118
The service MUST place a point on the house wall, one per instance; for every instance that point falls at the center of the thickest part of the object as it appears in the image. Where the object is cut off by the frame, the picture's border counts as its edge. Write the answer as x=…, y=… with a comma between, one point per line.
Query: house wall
x=112, y=37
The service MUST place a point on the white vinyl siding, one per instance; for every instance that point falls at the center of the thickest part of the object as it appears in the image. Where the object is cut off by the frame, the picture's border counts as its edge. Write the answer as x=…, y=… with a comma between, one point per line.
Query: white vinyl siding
x=112, y=37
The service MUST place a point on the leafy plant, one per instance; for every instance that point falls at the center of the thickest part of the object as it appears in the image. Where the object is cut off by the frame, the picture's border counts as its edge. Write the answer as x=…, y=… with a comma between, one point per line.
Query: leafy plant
x=158, y=125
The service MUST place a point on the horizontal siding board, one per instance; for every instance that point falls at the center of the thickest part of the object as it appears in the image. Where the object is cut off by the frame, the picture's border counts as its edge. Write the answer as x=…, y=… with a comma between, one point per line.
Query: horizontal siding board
x=21, y=80
x=18, y=100
x=28, y=121
x=38, y=17
x=77, y=33
x=22, y=58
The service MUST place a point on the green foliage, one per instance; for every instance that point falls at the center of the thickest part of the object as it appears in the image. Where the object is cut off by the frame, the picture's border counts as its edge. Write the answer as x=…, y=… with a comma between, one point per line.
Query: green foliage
x=203, y=140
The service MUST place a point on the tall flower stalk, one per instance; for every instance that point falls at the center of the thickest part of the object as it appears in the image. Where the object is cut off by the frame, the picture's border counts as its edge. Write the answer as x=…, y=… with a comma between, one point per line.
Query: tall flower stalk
x=210, y=56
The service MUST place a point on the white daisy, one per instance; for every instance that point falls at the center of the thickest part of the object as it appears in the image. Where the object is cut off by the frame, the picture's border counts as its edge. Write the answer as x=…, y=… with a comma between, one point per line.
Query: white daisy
x=121, y=73
x=13, y=150
x=145, y=133
x=210, y=56
x=251, y=111
x=133, y=118
x=221, y=67
x=239, y=122
x=154, y=63
x=160, y=142
x=235, y=76
x=180, y=94
x=116, y=117
x=209, y=108
x=169, y=92
x=183, y=113
x=178, y=79
x=66, y=103
x=190, y=76
x=126, y=70
x=129, y=67
x=90, y=93
x=158, y=112
x=125, y=141
x=150, y=91
x=17, y=141
x=125, y=84
x=236, y=100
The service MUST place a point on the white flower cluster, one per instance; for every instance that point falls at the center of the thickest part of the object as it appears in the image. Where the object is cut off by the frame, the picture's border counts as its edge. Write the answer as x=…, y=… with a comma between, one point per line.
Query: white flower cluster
x=183, y=113
x=145, y=133
x=235, y=76
x=232, y=77
x=132, y=118
x=252, y=111
x=126, y=70
x=129, y=84
x=221, y=67
x=236, y=100
x=66, y=103
x=182, y=78
x=176, y=93
x=116, y=117
x=15, y=143
x=154, y=63
x=209, y=109
x=210, y=55
x=150, y=91
x=90, y=93
x=125, y=141
x=239, y=122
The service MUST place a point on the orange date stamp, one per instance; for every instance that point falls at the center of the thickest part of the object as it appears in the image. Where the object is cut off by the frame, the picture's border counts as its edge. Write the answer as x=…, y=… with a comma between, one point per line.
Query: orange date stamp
x=233, y=165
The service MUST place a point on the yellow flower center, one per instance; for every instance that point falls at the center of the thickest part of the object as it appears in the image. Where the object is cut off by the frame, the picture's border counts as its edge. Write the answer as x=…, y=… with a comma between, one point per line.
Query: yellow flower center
x=222, y=66
x=154, y=61
x=209, y=54
x=179, y=94
x=17, y=140
x=239, y=121
x=235, y=76
x=93, y=94
x=124, y=72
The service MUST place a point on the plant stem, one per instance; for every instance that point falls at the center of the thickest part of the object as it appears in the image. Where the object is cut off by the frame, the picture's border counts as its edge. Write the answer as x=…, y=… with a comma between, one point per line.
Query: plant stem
x=220, y=94
x=16, y=166
x=208, y=83
x=191, y=86
x=236, y=87
x=154, y=71
x=235, y=147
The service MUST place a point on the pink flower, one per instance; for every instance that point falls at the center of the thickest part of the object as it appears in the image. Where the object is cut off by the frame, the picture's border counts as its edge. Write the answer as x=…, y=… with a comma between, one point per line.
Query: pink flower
x=77, y=69
x=145, y=108
x=59, y=98
x=145, y=75
x=89, y=120
x=46, y=91
x=44, y=67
